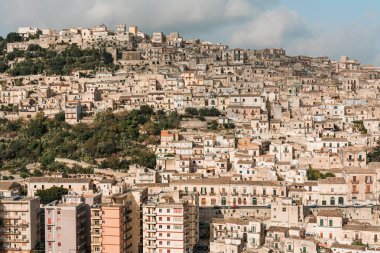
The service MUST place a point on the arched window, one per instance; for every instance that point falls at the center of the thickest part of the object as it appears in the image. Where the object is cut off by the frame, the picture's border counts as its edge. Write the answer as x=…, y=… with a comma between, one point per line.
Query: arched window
x=254, y=201
x=341, y=201
x=239, y=201
x=332, y=201
x=244, y=201
x=203, y=201
x=213, y=202
x=223, y=202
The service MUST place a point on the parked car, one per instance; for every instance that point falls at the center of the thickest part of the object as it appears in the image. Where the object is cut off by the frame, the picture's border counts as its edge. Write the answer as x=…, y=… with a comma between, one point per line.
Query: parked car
x=357, y=204
x=370, y=205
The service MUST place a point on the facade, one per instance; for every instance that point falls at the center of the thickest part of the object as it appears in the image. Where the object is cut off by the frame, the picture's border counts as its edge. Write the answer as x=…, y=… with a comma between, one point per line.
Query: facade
x=170, y=224
x=78, y=185
x=63, y=218
x=20, y=224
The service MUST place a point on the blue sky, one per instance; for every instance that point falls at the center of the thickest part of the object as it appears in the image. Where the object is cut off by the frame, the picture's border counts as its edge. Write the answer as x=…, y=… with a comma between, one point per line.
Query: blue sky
x=309, y=27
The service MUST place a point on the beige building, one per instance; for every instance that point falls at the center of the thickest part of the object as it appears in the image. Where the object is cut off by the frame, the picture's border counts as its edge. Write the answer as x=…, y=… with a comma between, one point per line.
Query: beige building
x=170, y=223
x=19, y=224
x=77, y=185
x=249, y=232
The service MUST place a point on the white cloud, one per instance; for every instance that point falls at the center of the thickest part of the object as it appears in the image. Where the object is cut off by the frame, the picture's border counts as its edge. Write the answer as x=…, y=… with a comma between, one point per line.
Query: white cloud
x=270, y=29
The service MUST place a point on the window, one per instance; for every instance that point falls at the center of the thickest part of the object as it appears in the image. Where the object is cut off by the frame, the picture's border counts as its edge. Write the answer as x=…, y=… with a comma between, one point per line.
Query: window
x=223, y=202
x=321, y=223
x=330, y=223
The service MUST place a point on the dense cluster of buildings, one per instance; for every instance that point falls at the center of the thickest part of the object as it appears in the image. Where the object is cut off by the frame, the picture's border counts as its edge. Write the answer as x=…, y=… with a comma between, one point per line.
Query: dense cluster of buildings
x=292, y=176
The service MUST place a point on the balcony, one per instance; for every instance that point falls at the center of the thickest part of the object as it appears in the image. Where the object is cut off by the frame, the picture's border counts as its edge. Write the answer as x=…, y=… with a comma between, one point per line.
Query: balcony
x=16, y=240
x=151, y=246
x=369, y=182
x=11, y=218
x=16, y=225
x=355, y=182
x=355, y=192
x=9, y=232
x=150, y=214
x=151, y=238
x=150, y=230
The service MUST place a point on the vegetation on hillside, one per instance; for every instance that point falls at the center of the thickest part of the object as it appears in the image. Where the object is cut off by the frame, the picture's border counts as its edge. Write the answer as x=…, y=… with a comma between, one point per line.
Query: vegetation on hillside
x=37, y=60
x=122, y=139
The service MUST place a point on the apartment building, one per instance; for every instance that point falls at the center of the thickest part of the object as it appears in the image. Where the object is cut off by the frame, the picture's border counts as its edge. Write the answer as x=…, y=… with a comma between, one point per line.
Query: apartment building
x=19, y=224
x=170, y=223
x=111, y=226
x=231, y=191
x=65, y=225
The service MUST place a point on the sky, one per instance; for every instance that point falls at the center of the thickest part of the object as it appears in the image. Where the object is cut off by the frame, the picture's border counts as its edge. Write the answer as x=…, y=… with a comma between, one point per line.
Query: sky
x=303, y=27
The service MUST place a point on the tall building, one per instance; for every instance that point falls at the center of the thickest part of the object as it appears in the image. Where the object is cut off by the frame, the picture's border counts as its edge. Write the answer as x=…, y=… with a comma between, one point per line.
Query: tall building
x=133, y=29
x=111, y=229
x=19, y=224
x=170, y=223
x=65, y=225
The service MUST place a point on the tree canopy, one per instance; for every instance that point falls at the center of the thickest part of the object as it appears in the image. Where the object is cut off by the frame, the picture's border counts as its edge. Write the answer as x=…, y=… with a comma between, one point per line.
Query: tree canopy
x=39, y=60
x=121, y=139
x=49, y=195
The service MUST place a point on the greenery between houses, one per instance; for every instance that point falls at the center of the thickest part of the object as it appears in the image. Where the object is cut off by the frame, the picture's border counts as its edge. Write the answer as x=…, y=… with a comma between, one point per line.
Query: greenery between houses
x=313, y=174
x=49, y=195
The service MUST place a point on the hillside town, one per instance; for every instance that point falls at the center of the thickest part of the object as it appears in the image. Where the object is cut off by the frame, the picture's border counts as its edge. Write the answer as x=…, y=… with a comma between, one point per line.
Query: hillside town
x=271, y=154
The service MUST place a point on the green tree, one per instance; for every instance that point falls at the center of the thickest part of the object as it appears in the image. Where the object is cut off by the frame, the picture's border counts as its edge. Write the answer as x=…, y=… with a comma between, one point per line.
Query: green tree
x=313, y=174
x=191, y=111
x=49, y=195
x=3, y=66
x=13, y=37
x=212, y=125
